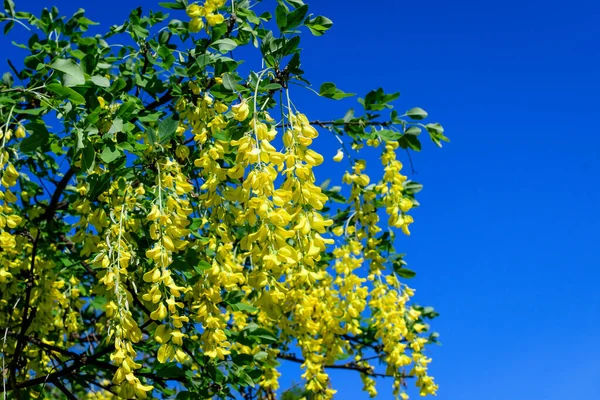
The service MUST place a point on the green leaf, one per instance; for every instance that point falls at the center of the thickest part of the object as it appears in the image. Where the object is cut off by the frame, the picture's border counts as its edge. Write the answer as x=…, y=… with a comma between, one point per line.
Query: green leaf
x=140, y=31
x=88, y=155
x=296, y=17
x=173, y=6
x=416, y=113
x=224, y=45
x=329, y=90
x=170, y=370
x=229, y=81
x=73, y=72
x=319, y=25
x=224, y=135
x=405, y=272
x=263, y=335
x=281, y=17
x=272, y=86
x=410, y=142
x=117, y=126
x=100, y=81
x=244, y=307
x=37, y=140
x=377, y=100
x=9, y=25
x=389, y=135
x=412, y=187
x=7, y=79
x=9, y=7
x=32, y=111
x=66, y=93
x=261, y=356
x=118, y=85
x=202, y=266
x=166, y=129
x=435, y=129
x=110, y=154
x=245, y=379
x=98, y=184
x=126, y=109
x=436, y=133
x=152, y=138
x=413, y=130
x=98, y=302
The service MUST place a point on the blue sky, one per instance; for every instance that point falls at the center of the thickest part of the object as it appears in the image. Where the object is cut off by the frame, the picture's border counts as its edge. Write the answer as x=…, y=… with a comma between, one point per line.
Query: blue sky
x=505, y=243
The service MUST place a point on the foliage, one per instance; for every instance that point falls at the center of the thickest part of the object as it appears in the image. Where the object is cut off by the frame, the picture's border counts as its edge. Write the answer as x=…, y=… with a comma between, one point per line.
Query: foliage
x=154, y=240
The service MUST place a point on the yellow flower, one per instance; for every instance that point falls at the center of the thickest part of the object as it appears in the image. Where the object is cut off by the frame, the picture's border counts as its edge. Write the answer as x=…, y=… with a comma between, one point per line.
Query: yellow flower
x=220, y=107
x=102, y=102
x=196, y=25
x=339, y=156
x=182, y=151
x=214, y=19
x=405, y=204
x=20, y=132
x=194, y=11
x=160, y=313
x=165, y=353
x=4, y=275
x=240, y=111
x=140, y=389
x=162, y=334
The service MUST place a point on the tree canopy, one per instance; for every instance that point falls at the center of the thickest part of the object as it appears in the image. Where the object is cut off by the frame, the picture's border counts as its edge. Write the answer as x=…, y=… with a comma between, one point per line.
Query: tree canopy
x=166, y=226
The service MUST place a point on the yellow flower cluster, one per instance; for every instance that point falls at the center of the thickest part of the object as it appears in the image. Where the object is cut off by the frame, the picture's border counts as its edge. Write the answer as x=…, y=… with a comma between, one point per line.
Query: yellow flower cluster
x=392, y=188
x=114, y=258
x=8, y=218
x=55, y=299
x=278, y=262
x=168, y=220
x=208, y=12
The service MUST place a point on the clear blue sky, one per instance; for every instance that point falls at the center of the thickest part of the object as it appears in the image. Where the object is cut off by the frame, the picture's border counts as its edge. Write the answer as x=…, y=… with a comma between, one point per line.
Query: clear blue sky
x=506, y=241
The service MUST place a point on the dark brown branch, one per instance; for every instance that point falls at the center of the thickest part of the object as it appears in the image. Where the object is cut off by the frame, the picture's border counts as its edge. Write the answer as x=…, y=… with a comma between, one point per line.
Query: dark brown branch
x=45, y=346
x=160, y=380
x=144, y=67
x=325, y=124
x=63, y=389
x=376, y=347
x=164, y=99
x=26, y=319
x=348, y=366
x=92, y=380
x=60, y=188
x=77, y=364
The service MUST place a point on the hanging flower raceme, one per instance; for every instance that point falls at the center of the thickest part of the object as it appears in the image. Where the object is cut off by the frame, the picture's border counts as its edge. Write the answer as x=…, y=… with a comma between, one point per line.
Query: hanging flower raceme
x=168, y=219
x=115, y=257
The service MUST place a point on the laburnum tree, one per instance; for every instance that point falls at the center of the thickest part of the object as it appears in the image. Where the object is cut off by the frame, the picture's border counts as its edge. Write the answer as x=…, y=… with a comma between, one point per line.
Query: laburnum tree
x=166, y=226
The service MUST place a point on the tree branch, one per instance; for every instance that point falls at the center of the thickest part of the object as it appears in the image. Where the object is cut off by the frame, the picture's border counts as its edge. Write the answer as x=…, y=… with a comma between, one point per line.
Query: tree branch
x=63, y=389
x=26, y=319
x=348, y=366
x=45, y=346
x=77, y=364
x=60, y=188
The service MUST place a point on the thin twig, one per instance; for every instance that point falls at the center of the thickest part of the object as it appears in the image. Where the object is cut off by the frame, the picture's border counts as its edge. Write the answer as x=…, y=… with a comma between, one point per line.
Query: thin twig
x=348, y=366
